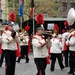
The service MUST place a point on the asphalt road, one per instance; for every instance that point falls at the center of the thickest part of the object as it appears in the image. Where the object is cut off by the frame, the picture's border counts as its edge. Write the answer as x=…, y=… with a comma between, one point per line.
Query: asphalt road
x=23, y=68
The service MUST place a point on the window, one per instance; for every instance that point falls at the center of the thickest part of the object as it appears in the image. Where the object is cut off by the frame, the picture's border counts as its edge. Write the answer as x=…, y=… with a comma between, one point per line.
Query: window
x=64, y=6
x=73, y=5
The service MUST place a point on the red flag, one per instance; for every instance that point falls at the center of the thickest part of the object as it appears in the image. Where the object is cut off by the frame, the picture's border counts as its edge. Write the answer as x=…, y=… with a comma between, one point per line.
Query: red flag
x=32, y=8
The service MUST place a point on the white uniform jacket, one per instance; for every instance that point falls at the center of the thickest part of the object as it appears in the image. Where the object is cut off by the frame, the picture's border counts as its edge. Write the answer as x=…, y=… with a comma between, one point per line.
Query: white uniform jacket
x=25, y=41
x=39, y=47
x=64, y=37
x=56, y=46
x=71, y=41
x=8, y=43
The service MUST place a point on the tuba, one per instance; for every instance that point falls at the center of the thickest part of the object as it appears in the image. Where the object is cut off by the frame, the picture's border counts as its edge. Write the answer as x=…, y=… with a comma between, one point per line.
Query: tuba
x=71, y=16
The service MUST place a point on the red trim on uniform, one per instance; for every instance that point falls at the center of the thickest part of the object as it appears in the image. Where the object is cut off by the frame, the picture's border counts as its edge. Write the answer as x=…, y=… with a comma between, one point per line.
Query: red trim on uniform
x=48, y=59
x=39, y=34
x=7, y=39
x=68, y=43
x=43, y=45
x=65, y=46
x=73, y=34
x=29, y=48
x=6, y=69
x=18, y=50
x=35, y=37
x=40, y=43
x=40, y=72
x=42, y=37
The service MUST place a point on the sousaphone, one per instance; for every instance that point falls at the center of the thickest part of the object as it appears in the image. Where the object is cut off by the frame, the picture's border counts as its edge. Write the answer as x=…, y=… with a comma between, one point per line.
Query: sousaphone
x=71, y=16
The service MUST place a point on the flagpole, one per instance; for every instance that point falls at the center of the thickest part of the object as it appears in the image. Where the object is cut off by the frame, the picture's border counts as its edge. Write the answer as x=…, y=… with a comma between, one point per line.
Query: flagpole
x=20, y=22
x=33, y=23
x=21, y=12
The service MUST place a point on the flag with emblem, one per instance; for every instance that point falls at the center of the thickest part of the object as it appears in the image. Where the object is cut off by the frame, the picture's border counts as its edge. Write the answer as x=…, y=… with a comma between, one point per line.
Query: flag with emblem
x=32, y=8
x=21, y=8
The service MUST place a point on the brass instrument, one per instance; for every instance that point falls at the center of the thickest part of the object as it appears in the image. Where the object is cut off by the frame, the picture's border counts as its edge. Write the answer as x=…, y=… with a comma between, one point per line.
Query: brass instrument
x=47, y=34
x=71, y=16
x=21, y=30
x=22, y=37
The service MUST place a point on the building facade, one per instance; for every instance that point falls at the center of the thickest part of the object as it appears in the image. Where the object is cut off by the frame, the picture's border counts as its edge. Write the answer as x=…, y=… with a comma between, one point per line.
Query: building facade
x=64, y=6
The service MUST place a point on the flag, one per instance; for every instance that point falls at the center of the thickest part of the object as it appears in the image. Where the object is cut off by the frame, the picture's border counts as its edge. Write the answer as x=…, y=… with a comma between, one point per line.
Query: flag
x=21, y=8
x=32, y=8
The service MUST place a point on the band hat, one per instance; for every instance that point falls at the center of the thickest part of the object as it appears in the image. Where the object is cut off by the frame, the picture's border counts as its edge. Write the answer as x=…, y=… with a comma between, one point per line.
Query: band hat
x=40, y=28
x=11, y=23
x=39, y=21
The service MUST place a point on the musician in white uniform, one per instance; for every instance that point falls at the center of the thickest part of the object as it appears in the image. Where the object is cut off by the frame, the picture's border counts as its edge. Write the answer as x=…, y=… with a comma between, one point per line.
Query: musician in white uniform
x=56, y=51
x=40, y=51
x=71, y=43
x=9, y=47
x=24, y=39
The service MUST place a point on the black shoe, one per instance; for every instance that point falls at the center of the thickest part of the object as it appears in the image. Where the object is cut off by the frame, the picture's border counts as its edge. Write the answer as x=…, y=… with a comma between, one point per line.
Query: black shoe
x=27, y=62
x=52, y=70
x=62, y=68
x=71, y=73
x=0, y=65
x=18, y=61
x=66, y=66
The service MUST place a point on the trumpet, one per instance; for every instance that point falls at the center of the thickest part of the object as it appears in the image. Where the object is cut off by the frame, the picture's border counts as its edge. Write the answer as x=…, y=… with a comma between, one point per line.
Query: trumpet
x=47, y=34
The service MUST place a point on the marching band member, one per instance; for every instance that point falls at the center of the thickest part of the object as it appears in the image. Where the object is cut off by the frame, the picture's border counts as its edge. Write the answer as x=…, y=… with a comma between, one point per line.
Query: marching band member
x=24, y=38
x=65, y=48
x=71, y=39
x=9, y=39
x=40, y=50
x=56, y=51
x=71, y=43
x=1, y=51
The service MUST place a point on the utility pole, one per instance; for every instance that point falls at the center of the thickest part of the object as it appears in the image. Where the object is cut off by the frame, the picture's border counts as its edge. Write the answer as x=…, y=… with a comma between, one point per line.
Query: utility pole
x=13, y=5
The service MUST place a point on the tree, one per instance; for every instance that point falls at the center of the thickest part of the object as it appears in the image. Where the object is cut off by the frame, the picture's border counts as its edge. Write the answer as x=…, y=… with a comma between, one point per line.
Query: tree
x=48, y=7
x=13, y=5
x=44, y=6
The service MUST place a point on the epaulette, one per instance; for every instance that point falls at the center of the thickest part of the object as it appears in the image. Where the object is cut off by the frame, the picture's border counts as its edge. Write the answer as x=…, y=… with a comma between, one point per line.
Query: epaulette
x=73, y=34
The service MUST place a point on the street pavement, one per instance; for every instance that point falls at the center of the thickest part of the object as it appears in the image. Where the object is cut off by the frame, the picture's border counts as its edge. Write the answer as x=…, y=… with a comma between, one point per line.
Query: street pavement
x=23, y=68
